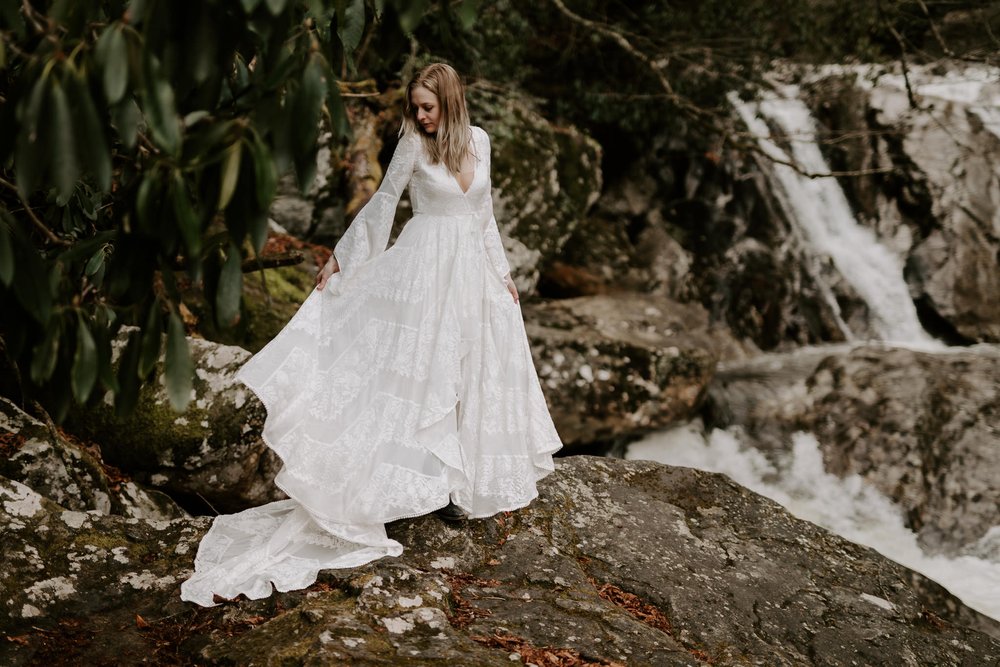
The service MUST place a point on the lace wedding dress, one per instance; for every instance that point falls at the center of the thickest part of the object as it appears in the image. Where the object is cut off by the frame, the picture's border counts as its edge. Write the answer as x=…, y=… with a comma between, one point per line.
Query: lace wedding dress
x=406, y=381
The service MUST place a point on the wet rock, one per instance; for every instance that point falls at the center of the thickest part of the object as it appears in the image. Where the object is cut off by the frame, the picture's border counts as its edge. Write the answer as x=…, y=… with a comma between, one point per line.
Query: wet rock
x=922, y=428
x=64, y=472
x=934, y=194
x=211, y=453
x=919, y=426
x=617, y=366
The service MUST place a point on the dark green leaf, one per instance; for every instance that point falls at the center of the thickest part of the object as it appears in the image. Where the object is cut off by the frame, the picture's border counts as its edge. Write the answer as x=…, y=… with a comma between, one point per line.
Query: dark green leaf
x=126, y=117
x=32, y=151
x=128, y=376
x=306, y=114
x=205, y=41
x=152, y=340
x=250, y=5
x=160, y=108
x=179, y=368
x=409, y=18
x=95, y=262
x=195, y=116
x=91, y=142
x=230, y=173
x=31, y=284
x=45, y=354
x=276, y=6
x=467, y=11
x=230, y=288
x=65, y=169
x=265, y=171
x=339, y=124
x=84, y=373
x=6, y=251
x=112, y=56
x=352, y=27
x=186, y=216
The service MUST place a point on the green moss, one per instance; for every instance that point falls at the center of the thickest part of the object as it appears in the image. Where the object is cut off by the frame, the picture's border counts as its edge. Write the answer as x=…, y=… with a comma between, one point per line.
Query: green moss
x=268, y=308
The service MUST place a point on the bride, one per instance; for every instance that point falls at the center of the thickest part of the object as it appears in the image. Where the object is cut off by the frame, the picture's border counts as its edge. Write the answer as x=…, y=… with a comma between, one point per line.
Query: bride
x=403, y=385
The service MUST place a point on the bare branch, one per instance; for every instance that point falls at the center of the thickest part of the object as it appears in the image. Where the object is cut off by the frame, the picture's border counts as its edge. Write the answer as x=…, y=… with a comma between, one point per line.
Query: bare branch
x=272, y=261
x=49, y=234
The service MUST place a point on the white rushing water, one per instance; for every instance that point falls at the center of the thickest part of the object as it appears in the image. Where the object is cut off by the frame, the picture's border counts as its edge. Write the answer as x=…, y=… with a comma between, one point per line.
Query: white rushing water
x=819, y=207
x=846, y=506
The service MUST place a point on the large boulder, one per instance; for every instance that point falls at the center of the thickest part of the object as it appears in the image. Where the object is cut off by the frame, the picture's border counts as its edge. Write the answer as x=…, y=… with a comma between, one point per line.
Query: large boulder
x=212, y=453
x=933, y=180
x=545, y=176
x=545, y=179
x=616, y=562
x=65, y=471
x=78, y=586
x=920, y=427
x=617, y=366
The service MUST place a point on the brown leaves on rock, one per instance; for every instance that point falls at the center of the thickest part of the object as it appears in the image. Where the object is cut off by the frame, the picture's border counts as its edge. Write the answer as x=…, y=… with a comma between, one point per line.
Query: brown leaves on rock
x=281, y=244
x=642, y=611
x=543, y=657
x=634, y=605
x=10, y=443
x=464, y=612
x=115, y=476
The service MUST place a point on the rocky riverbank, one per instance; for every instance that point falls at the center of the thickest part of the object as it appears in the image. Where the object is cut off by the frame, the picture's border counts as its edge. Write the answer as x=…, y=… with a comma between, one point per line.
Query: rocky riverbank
x=615, y=563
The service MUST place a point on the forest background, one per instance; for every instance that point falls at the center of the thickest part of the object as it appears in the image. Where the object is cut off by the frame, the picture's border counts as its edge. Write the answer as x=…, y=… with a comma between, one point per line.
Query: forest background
x=143, y=141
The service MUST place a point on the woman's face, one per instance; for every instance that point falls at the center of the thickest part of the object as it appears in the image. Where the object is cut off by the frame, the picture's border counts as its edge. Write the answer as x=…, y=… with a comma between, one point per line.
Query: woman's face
x=428, y=111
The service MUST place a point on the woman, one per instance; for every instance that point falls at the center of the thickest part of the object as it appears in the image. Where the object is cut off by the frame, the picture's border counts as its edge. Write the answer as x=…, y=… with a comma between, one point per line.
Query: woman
x=403, y=385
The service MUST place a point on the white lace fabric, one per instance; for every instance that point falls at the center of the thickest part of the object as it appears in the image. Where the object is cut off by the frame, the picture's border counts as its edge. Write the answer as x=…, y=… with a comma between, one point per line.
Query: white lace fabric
x=407, y=381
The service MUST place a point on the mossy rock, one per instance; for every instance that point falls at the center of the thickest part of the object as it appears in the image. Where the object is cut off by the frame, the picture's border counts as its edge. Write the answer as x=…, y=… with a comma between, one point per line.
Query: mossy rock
x=545, y=177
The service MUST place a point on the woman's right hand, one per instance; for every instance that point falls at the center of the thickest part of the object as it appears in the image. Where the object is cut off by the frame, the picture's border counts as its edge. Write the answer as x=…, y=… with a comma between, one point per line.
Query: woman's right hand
x=331, y=267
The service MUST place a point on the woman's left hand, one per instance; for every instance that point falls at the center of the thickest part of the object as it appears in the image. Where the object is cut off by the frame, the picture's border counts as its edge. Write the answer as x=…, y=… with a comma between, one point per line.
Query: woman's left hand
x=512, y=288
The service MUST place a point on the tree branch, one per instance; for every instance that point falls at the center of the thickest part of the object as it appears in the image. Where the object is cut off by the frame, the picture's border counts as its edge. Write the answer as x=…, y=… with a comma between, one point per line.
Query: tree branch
x=49, y=234
x=272, y=261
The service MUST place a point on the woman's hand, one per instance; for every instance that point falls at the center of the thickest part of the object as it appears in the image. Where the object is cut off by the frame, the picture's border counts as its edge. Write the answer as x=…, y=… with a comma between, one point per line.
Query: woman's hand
x=331, y=267
x=512, y=288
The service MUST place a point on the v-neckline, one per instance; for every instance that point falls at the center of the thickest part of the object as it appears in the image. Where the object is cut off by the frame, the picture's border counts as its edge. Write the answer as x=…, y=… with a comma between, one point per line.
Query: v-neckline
x=475, y=171
x=459, y=185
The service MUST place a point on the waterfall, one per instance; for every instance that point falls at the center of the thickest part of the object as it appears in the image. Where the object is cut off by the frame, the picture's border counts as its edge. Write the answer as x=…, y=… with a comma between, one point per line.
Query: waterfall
x=820, y=209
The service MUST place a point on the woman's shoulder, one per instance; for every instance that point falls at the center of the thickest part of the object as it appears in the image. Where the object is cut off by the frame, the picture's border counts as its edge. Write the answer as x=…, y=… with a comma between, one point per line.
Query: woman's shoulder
x=480, y=135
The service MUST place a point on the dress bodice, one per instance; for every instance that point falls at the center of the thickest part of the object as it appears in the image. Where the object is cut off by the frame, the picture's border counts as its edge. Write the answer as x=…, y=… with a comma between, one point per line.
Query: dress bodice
x=434, y=190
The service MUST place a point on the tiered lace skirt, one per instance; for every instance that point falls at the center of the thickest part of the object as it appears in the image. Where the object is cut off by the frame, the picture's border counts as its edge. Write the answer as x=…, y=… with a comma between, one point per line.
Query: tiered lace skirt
x=407, y=384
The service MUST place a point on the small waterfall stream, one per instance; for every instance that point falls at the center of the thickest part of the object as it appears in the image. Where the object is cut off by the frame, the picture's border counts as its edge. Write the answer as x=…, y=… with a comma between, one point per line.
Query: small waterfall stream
x=822, y=212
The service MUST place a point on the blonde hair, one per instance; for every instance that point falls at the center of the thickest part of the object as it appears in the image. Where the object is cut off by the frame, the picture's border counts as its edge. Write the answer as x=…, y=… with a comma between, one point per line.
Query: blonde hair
x=453, y=137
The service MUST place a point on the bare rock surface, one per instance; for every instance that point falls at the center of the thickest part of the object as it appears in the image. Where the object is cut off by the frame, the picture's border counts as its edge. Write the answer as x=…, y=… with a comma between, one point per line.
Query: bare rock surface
x=65, y=472
x=617, y=562
x=213, y=451
x=922, y=428
x=619, y=365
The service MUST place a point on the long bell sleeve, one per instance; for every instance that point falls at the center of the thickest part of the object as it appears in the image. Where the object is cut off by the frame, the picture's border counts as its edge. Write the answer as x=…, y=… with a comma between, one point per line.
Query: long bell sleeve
x=491, y=233
x=368, y=234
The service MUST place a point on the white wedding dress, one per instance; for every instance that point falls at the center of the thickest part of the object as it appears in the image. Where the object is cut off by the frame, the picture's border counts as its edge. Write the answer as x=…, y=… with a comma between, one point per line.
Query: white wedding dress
x=407, y=381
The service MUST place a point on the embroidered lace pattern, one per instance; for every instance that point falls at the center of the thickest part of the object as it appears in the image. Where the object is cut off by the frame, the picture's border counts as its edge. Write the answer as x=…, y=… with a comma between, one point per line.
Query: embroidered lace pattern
x=406, y=382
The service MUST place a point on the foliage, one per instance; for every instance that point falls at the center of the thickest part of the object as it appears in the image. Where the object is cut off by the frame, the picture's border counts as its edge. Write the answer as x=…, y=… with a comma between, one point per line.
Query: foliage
x=703, y=49
x=141, y=148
